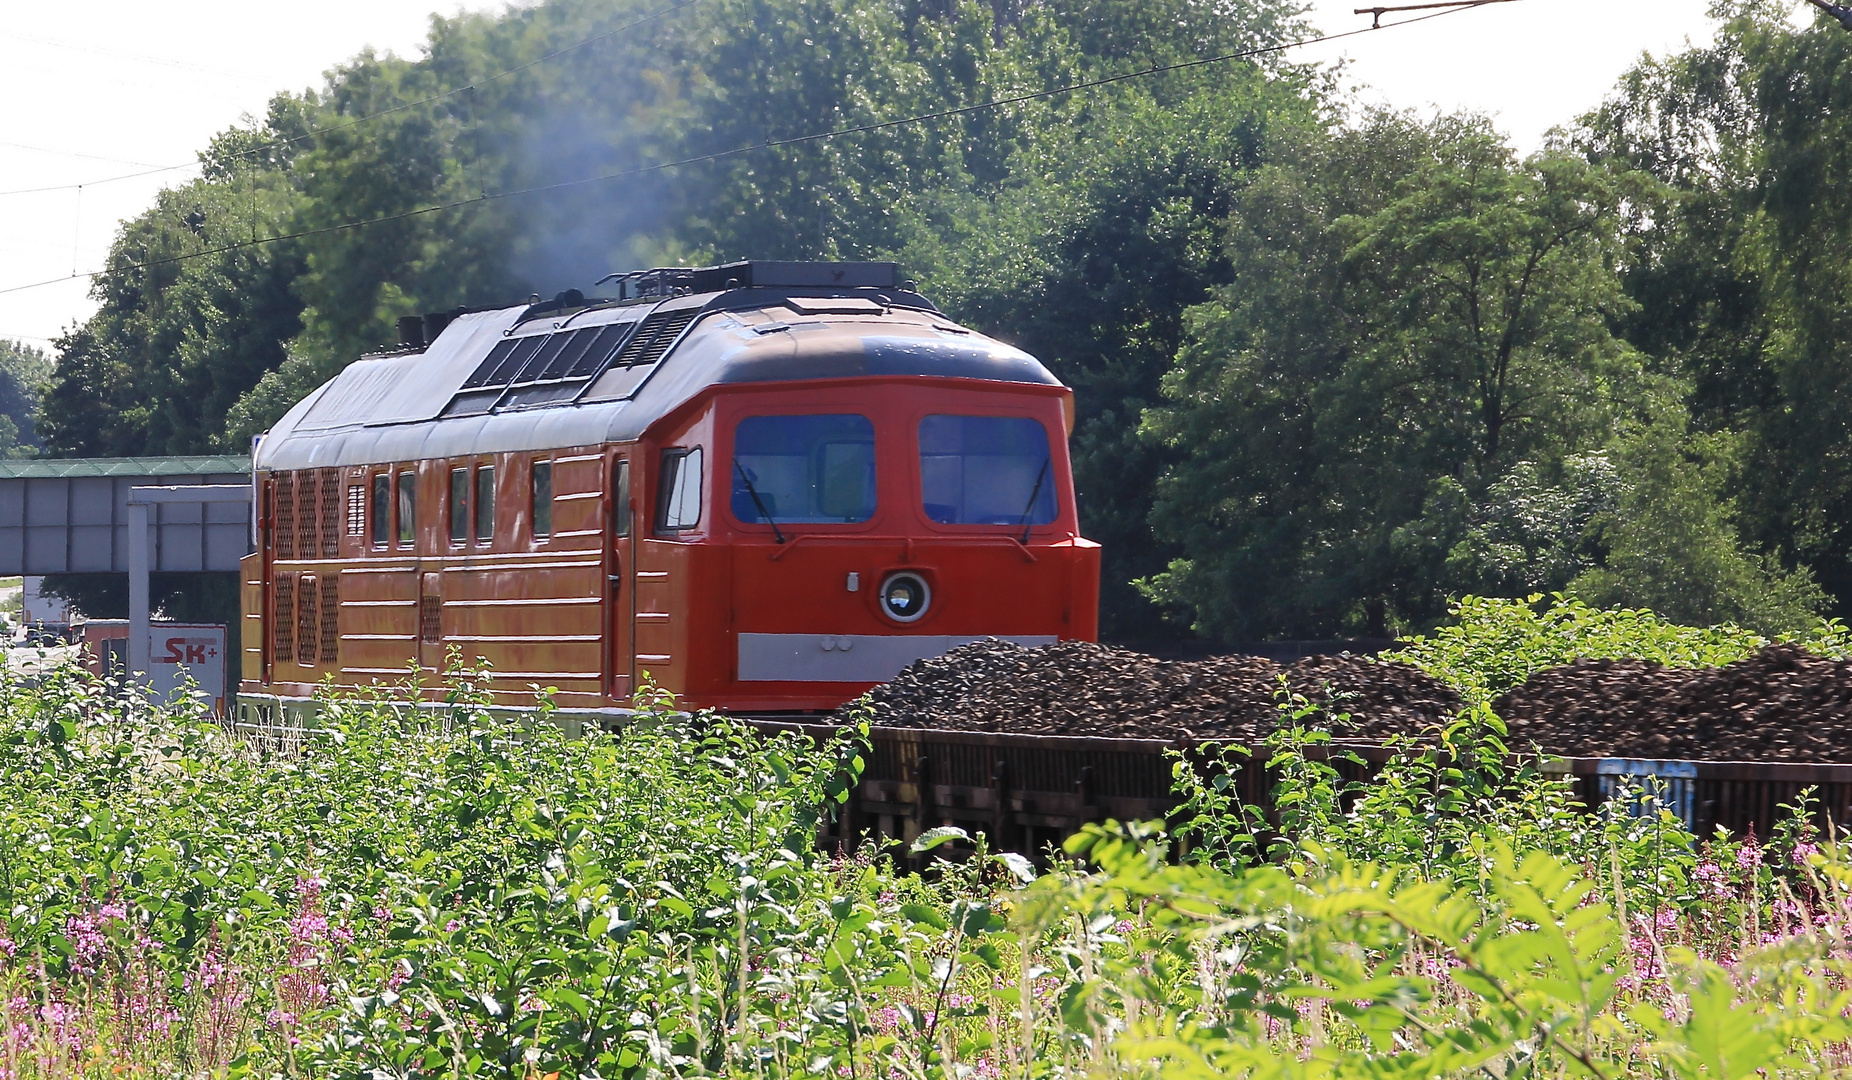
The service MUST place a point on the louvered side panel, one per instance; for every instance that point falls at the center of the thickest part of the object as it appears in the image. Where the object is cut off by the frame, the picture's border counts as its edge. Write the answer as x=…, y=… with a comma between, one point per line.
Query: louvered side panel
x=306, y=545
x=331, y=513
x=283, y=625
x=283, y=527
x=308, y=621
x=331, y=620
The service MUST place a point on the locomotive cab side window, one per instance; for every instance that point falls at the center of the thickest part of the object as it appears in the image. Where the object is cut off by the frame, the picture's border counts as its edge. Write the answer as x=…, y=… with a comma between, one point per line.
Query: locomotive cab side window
x=543, y=499
x=679, y=501
x=986, y=470
x=485, y=503
x=816, y=468
x=408, y=507
x=620, y=499
x=459, y=505
x=382, y=508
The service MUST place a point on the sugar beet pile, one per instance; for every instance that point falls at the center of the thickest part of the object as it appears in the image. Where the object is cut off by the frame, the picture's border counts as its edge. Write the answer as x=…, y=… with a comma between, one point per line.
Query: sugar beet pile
x=1079, y=688
x=1782, y=704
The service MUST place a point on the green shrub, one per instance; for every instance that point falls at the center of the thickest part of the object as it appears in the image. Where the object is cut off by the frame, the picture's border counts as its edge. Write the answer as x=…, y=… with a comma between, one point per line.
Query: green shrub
x=1495, y=644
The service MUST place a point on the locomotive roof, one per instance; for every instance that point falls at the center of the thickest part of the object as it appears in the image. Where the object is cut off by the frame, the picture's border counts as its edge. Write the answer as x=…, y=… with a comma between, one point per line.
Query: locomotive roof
x=506, y=380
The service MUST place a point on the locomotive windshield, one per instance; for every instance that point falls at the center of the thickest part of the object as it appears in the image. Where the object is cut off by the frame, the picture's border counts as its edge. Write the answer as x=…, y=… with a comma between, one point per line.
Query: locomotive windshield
x=818, y=469
x=986, y=470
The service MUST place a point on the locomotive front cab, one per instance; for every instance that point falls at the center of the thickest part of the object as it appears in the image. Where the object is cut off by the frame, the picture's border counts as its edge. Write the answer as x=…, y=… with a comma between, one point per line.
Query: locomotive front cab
x=833, y=532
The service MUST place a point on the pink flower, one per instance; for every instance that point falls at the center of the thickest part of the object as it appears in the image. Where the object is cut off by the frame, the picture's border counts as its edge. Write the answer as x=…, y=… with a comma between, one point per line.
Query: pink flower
x=1713, y=876
x=309, y=887
x=308, y=925
x=1803, y=851
x=87, y=942
x=1749, y=857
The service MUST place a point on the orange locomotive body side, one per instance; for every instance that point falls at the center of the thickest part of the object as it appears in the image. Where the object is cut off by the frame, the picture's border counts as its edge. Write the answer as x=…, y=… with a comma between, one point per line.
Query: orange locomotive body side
x=586, y=569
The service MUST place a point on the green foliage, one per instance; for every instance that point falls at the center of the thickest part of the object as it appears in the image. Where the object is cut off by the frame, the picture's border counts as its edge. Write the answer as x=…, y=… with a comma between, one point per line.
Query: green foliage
x=1436, y=804
x=1733, y=267
x=1672, y=539
x=412, y=819
x=24, y=371
x=1411, y=303
x=1495, y=645
x=393, y=891
x=1377, y=973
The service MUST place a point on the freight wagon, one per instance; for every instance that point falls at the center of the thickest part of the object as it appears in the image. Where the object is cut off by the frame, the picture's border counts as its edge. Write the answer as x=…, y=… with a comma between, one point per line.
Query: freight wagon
x=761, y=486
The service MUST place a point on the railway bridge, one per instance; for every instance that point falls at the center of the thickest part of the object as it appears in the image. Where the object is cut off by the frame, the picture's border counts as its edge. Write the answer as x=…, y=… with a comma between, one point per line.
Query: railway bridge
x=131, y=516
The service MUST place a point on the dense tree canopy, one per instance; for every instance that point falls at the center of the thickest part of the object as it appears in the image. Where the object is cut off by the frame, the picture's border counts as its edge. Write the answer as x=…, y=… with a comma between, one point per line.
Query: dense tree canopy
x=1332, y=370
x=24, y=372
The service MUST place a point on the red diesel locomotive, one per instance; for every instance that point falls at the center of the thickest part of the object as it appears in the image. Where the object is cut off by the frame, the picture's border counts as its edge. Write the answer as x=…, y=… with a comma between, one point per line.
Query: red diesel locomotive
x=764, y=486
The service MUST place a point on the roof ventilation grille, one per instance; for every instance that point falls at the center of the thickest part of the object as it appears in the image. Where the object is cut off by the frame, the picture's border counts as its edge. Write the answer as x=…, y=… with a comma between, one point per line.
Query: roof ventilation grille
x=654, y=337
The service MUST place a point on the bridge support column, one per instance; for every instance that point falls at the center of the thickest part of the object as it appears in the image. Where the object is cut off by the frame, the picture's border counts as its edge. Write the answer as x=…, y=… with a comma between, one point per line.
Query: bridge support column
x=139, y=543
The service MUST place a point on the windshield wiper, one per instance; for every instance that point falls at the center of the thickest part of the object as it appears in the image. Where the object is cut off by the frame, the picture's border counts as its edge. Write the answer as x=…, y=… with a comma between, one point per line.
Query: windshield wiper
x=764, y=514
x=1034, y=492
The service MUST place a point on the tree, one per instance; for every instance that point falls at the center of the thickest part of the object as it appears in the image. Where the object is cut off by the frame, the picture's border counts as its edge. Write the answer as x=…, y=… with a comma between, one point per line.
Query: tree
x=178, y=338
x=1739, y=271
x=1409, y=305
x=1671, y=539
x=24, y=371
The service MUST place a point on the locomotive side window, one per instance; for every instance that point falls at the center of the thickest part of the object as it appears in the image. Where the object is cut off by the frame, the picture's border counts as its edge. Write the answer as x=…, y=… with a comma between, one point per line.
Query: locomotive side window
x=382, y=508
x=679, y=504
x=986, y=470
x=408, y=507
x=485, y=504
x=817, y=468
x=459, y=505
x=543, y=499
x=620, y=499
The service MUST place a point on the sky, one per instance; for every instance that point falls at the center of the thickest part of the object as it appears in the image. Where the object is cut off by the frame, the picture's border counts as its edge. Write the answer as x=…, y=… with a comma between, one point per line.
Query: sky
x=133, y=86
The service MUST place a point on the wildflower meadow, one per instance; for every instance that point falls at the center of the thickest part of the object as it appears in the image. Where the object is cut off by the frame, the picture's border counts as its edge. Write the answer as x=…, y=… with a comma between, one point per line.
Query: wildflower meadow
x=434, y=893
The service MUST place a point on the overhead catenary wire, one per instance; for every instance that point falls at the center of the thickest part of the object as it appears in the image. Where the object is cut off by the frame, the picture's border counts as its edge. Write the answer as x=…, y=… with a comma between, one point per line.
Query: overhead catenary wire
x=1376, y=13
x=769, y=144
x=77, y=154
x=358, y=120
x=142, y=58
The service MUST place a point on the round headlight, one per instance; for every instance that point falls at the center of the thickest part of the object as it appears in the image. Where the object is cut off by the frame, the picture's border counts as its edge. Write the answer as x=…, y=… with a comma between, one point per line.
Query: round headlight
x=905, y=597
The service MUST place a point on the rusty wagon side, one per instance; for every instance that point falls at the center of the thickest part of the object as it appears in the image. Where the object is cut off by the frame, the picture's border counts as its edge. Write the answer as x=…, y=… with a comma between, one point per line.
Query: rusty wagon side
x=1024, y=792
